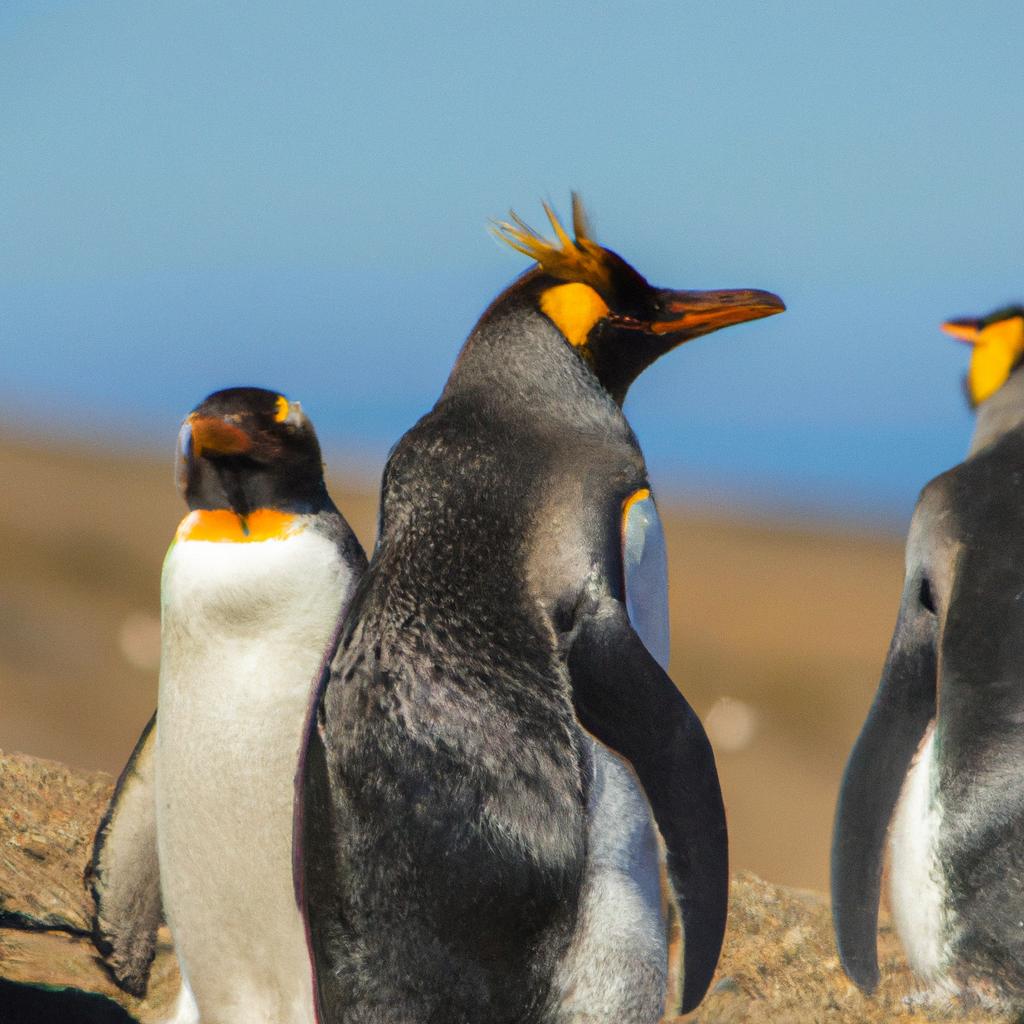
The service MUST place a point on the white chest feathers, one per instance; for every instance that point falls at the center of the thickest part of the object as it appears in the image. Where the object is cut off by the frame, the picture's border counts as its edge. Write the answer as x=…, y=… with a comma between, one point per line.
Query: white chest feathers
x=617, y=965
x=916, y=887
x=645, y=567
x=245, y=626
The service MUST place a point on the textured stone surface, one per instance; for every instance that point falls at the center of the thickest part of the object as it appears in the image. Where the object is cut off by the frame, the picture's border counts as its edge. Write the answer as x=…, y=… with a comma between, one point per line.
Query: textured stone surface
x=48, y=816
x=780, y=965
x=47, y=821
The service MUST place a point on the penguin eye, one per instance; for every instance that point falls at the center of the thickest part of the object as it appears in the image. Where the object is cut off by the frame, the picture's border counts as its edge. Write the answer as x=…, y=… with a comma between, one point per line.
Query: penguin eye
x=925, y=596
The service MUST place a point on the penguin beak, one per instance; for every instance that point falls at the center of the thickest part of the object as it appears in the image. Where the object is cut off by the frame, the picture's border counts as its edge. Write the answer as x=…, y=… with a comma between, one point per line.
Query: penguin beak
x=963, y=330
x=205, y=435
x=620, y=354
x=213, y=436
x=690, y=314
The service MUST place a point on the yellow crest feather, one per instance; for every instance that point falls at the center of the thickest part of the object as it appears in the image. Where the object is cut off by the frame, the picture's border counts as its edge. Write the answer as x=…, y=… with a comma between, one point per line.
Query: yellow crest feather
x=579, y=259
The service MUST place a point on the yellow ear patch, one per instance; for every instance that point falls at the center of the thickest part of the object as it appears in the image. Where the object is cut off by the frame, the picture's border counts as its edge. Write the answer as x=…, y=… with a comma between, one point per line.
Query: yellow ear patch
x=580, y=259
x=574, y=309
x=282, y=409
x=997, y=350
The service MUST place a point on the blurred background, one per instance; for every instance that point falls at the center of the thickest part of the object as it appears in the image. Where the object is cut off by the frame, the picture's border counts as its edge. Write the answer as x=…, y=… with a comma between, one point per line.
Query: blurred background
x=198, y=195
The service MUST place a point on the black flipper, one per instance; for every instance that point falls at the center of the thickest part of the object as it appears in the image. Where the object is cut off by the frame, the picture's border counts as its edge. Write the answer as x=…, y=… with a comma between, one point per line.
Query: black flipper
x=316, y=871
x=314, y=845
x=627, y=701
x=881, y=757
x=124, y=874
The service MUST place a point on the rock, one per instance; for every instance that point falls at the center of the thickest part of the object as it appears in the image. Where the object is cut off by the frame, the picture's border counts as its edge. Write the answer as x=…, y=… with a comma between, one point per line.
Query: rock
x=779, y=963
x=49, y=967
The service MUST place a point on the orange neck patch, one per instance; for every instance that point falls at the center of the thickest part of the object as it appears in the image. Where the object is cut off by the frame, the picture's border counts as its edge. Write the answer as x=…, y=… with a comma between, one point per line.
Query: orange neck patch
x=223, y=525
x=641, y=495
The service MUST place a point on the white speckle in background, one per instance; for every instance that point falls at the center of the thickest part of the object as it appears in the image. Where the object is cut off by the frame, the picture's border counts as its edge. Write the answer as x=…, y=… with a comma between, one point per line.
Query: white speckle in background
x=731, y=724
x=139, y=640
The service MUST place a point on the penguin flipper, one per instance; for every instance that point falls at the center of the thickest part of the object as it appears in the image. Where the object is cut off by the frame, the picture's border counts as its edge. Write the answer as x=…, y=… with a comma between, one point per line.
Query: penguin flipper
x=627, y=701
x=881, y=757
x=124, y=873
x=314, y=842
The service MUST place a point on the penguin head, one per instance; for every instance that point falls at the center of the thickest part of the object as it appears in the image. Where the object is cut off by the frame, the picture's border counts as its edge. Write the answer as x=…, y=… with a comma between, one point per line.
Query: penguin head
x=244, y=449
x=998, y=344
x=606, y=310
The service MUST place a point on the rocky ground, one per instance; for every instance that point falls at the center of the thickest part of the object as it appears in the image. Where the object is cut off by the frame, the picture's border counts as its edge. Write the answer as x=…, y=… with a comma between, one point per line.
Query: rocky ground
x=779, y=962
x=48, y=817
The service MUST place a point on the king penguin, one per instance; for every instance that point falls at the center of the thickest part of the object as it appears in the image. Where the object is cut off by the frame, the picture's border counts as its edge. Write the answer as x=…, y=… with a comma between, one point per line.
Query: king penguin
x=505, y=798
x=936, y=778
x=201, y=823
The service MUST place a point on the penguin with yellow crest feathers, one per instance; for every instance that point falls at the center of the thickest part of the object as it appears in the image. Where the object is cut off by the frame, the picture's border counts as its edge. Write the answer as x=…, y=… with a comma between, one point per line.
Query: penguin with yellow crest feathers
x=200, y=825
x=935, y=782
x=505, y=800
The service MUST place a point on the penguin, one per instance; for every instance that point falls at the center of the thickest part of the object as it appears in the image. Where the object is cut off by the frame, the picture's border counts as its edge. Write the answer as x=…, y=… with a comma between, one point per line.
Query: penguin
x=934, y=782
x=201, y=823
x=505, y=799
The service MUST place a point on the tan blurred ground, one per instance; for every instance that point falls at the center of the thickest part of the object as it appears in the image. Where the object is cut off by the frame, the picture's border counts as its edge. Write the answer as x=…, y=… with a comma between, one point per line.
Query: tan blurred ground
x=791, y=622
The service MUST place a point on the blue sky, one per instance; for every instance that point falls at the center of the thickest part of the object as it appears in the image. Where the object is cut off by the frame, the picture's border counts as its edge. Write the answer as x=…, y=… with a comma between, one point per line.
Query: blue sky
x=194, y=195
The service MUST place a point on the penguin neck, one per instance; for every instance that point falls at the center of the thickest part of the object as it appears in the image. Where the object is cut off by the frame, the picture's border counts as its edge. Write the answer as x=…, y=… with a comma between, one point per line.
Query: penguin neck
x=224, y=524
x=517, y=361
x=1001, y=413
x=243, y=489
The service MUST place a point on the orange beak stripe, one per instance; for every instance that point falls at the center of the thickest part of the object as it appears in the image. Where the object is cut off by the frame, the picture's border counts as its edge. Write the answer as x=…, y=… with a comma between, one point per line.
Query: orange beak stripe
x=962, y=330
x=216, y=437
x=709, y=311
